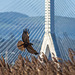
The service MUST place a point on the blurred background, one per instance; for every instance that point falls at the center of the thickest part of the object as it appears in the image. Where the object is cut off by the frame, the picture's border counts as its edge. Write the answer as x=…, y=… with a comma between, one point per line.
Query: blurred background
x=16, y=15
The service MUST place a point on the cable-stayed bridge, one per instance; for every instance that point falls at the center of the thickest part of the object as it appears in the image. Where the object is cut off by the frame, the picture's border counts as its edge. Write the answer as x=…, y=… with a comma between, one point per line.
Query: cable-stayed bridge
x=20, y=14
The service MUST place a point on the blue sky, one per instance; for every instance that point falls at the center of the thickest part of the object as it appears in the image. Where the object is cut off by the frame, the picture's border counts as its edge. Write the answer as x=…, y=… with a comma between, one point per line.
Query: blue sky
x=36, y=7
x=29, y=7
x=65, y=8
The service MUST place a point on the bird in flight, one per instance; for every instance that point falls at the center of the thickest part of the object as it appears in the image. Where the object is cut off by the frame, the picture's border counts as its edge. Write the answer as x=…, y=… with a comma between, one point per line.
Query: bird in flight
x=25, y=44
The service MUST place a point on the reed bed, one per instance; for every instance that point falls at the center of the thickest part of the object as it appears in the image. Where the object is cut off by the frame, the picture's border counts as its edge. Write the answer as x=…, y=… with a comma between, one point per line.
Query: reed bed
x=43, y=66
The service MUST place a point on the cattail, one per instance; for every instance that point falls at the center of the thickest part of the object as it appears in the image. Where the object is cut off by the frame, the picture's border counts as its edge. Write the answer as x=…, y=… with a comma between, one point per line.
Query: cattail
x=3, y=61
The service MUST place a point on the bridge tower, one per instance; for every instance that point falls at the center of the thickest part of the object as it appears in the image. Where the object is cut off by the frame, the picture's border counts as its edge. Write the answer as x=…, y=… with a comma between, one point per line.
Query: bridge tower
x=49, y=44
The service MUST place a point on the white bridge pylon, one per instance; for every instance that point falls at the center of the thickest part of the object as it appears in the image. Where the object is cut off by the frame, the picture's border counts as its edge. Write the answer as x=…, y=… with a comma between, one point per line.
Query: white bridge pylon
x=48, y=45
x=48, y=42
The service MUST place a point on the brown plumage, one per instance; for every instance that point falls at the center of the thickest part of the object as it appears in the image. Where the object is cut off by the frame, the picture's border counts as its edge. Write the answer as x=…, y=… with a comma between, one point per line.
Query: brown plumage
x=26, y=44
x=25, y=37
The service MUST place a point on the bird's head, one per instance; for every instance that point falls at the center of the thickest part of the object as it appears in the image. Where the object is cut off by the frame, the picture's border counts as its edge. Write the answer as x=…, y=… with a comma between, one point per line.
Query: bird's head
x=26, y=31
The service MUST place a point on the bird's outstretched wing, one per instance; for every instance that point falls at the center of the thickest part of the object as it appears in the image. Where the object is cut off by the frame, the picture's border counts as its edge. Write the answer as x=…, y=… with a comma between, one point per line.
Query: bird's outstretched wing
x=20, y=45
x=31, y=50
x=25, y=38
